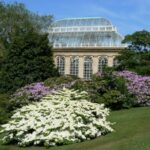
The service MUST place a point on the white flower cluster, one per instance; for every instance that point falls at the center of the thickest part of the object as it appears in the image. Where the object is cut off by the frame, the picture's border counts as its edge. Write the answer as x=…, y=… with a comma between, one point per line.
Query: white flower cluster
x=62, y=118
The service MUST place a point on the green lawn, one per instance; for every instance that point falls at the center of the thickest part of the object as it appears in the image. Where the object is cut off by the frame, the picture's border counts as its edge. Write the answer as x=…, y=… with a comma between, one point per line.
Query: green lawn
x=132, y=132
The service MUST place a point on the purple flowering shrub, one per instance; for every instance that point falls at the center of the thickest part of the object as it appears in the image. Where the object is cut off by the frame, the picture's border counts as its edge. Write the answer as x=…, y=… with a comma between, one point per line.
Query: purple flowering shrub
x=33, y=93
x=137, y=85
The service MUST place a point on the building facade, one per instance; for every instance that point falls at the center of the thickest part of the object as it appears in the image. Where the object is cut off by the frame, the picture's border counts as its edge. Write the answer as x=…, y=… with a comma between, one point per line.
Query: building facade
x=83, y=46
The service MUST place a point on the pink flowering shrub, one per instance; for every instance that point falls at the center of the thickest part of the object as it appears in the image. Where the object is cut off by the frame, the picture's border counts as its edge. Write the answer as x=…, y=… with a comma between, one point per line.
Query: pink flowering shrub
x=137, y=85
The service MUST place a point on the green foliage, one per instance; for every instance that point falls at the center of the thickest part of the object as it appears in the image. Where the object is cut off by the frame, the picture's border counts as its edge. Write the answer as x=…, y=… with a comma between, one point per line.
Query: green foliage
x=135, y=61
x=15, y=103
x=29, y=59
x=127, y=59
x=143, y=70
x=137, y=56
x=5, y=113
x=138, y=41
x=16, y=15
x=81, y=85
x=25, y=54
x=108, y=89
x=115, y=100
x=57, y=81
x=112, y=91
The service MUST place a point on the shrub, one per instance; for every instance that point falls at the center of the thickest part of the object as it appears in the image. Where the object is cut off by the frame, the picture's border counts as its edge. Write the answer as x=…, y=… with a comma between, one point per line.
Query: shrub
x=62, y=118
x=115, y=100
x=35, y=91
x=112, y=91
x=138, y=86
x=81, y=85
x=66, y=81
x=134, y=61
x=108, y=89
x=5, y=113
x=29, y=93
x=143, y=70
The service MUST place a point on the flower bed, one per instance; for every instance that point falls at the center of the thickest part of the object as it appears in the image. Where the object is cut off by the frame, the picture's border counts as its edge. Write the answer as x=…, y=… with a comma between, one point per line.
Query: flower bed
x=137, y=85
x=61, y=118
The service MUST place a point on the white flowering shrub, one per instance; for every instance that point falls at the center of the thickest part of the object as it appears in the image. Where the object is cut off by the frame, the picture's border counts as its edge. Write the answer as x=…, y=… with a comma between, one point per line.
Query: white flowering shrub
x=62, y=118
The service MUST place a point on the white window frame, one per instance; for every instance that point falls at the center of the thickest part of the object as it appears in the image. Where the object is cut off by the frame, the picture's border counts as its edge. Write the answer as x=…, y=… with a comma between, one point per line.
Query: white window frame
x=61, y=64
x=88, y=68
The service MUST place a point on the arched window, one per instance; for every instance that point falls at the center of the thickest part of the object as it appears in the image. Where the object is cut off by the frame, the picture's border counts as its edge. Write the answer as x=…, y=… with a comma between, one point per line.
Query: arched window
x=102, y=63
x=115, y=62
x=61, y=65
x=88, y=68
x=74, y=66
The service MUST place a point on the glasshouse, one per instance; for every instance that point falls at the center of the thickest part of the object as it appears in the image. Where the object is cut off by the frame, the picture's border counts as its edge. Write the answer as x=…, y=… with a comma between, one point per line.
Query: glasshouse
x=83, y=46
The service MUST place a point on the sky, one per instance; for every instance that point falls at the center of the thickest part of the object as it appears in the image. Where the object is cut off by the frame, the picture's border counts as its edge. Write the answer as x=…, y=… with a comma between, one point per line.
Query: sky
x=127, y=15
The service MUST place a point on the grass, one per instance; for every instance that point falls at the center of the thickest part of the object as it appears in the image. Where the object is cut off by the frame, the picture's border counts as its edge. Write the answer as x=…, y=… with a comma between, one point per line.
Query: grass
x=132, y=132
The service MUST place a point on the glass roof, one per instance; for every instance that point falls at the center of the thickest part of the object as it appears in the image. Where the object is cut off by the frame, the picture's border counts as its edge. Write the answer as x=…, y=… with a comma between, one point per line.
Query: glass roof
x=84, y=32
x=82, y=22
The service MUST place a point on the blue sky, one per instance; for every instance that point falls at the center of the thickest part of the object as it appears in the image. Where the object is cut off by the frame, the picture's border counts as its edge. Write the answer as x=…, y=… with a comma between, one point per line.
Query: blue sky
x=128, y=15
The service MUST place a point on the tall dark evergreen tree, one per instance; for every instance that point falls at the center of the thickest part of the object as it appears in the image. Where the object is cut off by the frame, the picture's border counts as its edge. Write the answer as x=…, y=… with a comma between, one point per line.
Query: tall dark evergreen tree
x=29, y=59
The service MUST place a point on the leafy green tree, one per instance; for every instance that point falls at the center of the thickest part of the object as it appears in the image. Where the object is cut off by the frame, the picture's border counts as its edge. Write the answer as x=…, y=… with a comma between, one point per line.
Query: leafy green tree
x=13, y=16
x=138, y=41
x=128, y=59
x=137, y=56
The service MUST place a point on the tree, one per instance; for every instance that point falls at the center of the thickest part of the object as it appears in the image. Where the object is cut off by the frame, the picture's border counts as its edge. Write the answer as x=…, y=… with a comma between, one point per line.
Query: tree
x=13, y=16
x=137, y=56
x=138, y=41
x=29, y=59
x=25, y=54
